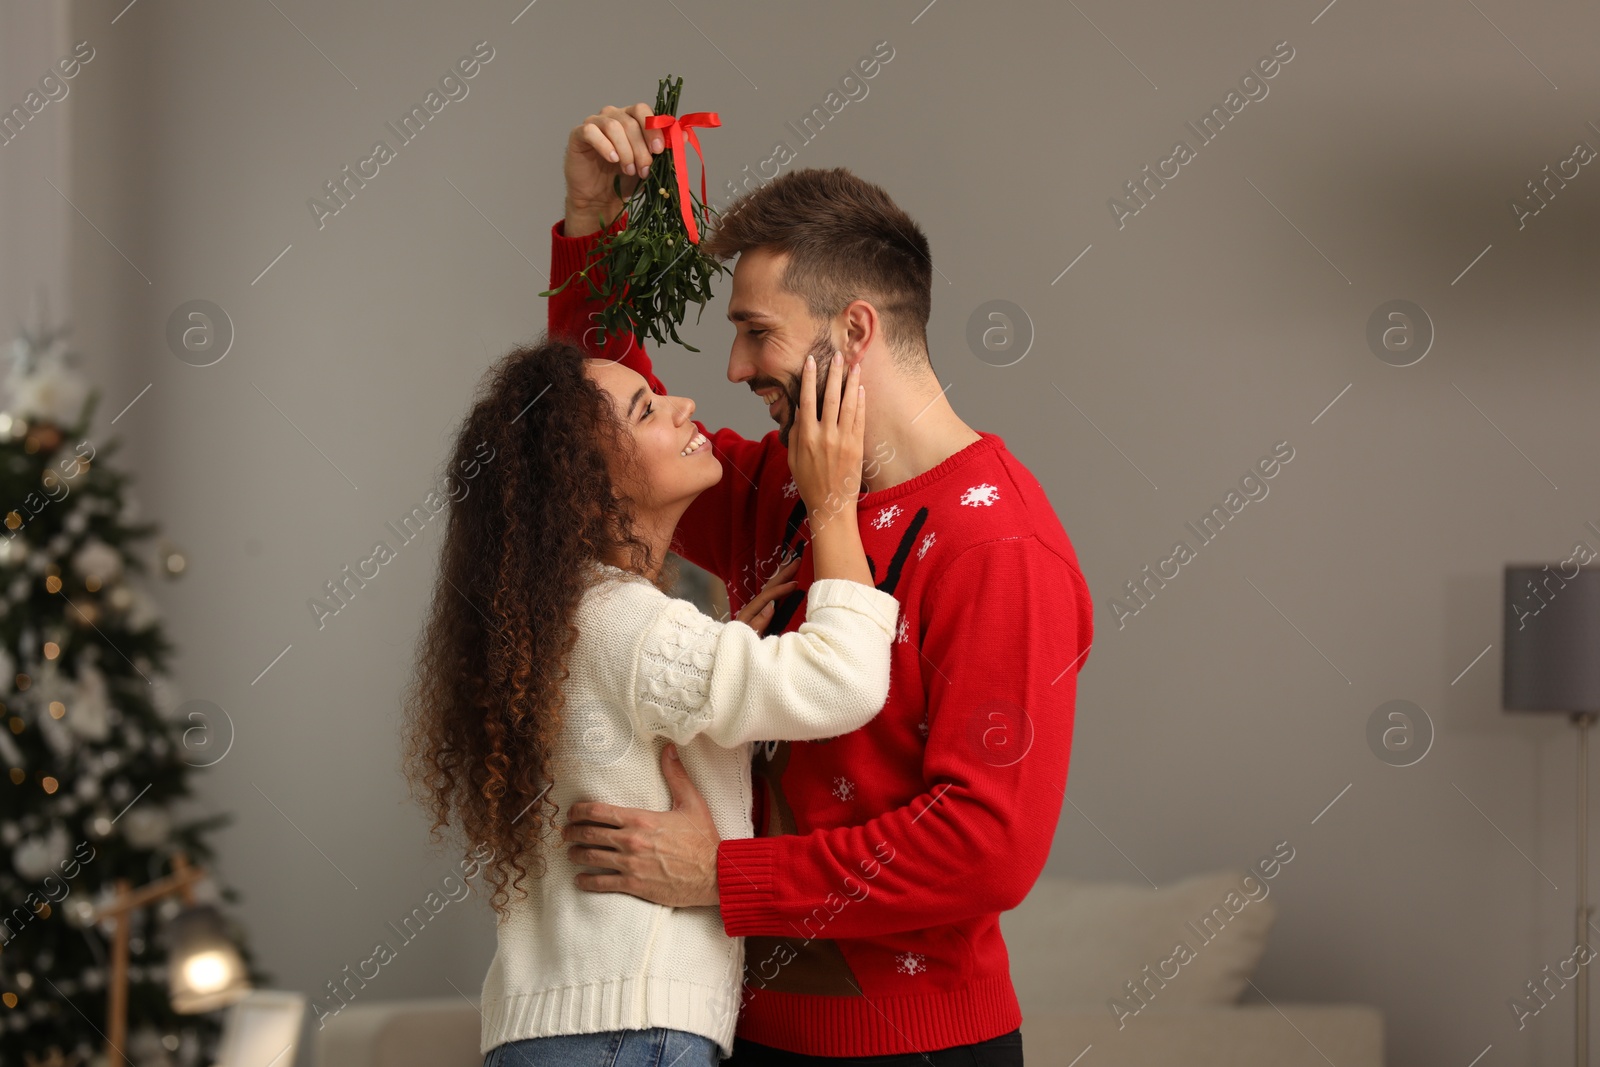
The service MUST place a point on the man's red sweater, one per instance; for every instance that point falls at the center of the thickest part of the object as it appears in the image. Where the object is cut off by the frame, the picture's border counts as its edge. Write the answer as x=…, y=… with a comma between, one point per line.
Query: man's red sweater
x=870, y=898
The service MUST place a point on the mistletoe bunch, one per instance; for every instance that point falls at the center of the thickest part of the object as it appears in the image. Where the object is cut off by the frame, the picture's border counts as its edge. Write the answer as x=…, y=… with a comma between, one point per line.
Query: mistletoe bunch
x=649, y=271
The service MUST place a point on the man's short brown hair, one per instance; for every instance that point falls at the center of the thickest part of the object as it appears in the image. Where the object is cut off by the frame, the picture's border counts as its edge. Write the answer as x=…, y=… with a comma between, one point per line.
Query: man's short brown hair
x=846, y=240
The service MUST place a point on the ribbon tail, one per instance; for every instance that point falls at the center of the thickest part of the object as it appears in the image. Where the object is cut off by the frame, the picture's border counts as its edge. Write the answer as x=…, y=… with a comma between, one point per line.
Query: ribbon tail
x=681, y=166
x=707, y=119
x=698, y=151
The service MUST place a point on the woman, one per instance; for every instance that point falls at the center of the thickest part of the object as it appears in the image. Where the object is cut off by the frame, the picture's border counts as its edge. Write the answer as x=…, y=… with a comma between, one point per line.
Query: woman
x=554, y=667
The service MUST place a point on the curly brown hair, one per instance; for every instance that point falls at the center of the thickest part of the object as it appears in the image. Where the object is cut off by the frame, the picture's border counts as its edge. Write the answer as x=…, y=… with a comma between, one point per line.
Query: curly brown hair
x=484, y=704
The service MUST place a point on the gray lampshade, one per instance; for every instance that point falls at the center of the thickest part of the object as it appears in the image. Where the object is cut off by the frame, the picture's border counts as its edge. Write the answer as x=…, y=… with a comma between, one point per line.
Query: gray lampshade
x=1552, y=638
x=204, y=969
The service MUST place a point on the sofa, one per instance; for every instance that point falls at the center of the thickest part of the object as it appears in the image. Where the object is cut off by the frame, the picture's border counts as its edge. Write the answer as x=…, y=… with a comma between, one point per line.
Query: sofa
x=1097, y=966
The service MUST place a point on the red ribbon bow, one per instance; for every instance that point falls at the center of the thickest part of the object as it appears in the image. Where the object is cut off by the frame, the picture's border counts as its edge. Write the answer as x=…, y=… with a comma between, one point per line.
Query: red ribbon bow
x=677, y=126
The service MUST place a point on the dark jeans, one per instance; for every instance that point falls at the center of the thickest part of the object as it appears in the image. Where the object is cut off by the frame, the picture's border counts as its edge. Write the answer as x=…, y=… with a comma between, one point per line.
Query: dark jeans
x=1002, y=1051
x=655, y=1047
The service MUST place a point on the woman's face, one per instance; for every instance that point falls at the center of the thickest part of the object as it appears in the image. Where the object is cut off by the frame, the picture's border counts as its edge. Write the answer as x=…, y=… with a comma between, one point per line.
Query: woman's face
x=672, y=461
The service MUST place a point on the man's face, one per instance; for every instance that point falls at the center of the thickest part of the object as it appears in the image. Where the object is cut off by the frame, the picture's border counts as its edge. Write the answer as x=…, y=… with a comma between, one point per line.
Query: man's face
x=775, y=335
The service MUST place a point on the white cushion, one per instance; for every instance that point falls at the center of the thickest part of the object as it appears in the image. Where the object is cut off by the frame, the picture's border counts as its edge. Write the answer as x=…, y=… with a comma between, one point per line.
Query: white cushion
x=1240, y=1035
x=1076, y=943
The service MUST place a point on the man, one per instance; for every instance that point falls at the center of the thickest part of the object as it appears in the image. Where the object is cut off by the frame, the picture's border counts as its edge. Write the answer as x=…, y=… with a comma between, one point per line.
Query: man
x=870, y=897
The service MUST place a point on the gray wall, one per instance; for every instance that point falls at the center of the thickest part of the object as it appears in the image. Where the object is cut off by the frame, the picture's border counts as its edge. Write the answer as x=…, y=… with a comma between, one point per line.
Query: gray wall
x=1222, y=319
x=33, y=230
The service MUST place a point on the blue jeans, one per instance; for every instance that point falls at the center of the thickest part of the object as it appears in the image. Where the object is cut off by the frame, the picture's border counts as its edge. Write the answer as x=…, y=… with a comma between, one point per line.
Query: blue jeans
x=656, y=1047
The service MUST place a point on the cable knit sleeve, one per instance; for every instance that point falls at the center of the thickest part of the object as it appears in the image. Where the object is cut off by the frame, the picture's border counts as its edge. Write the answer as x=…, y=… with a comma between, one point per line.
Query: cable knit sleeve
x=693, y=674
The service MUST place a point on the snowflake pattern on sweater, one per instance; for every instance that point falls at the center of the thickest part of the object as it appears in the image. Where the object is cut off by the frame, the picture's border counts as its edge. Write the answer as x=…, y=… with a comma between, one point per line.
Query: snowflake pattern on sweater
x=911, y=963
x=984, y=495
x=886, y=517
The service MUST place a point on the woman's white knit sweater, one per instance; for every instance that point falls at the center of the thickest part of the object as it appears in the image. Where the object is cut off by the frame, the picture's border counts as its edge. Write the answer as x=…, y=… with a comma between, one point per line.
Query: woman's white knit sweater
x=647, y=669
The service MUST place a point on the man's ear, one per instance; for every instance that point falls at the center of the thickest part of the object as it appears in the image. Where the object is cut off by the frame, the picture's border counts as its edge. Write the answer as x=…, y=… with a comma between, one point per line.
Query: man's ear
x=861, y=327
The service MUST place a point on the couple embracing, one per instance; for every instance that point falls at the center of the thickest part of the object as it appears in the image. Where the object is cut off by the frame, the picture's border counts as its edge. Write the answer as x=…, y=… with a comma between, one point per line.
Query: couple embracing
x=785, y=836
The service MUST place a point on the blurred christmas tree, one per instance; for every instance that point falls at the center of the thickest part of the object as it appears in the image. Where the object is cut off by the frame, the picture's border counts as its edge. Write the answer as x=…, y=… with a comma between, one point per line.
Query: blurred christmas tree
x=92, y=745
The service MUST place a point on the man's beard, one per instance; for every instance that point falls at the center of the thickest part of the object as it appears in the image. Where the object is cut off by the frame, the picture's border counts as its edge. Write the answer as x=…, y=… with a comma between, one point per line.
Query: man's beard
x=822, y=349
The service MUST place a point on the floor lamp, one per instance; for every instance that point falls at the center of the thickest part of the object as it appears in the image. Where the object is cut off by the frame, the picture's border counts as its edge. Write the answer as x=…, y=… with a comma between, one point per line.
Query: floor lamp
x=1552, y=664
x=204, y=969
